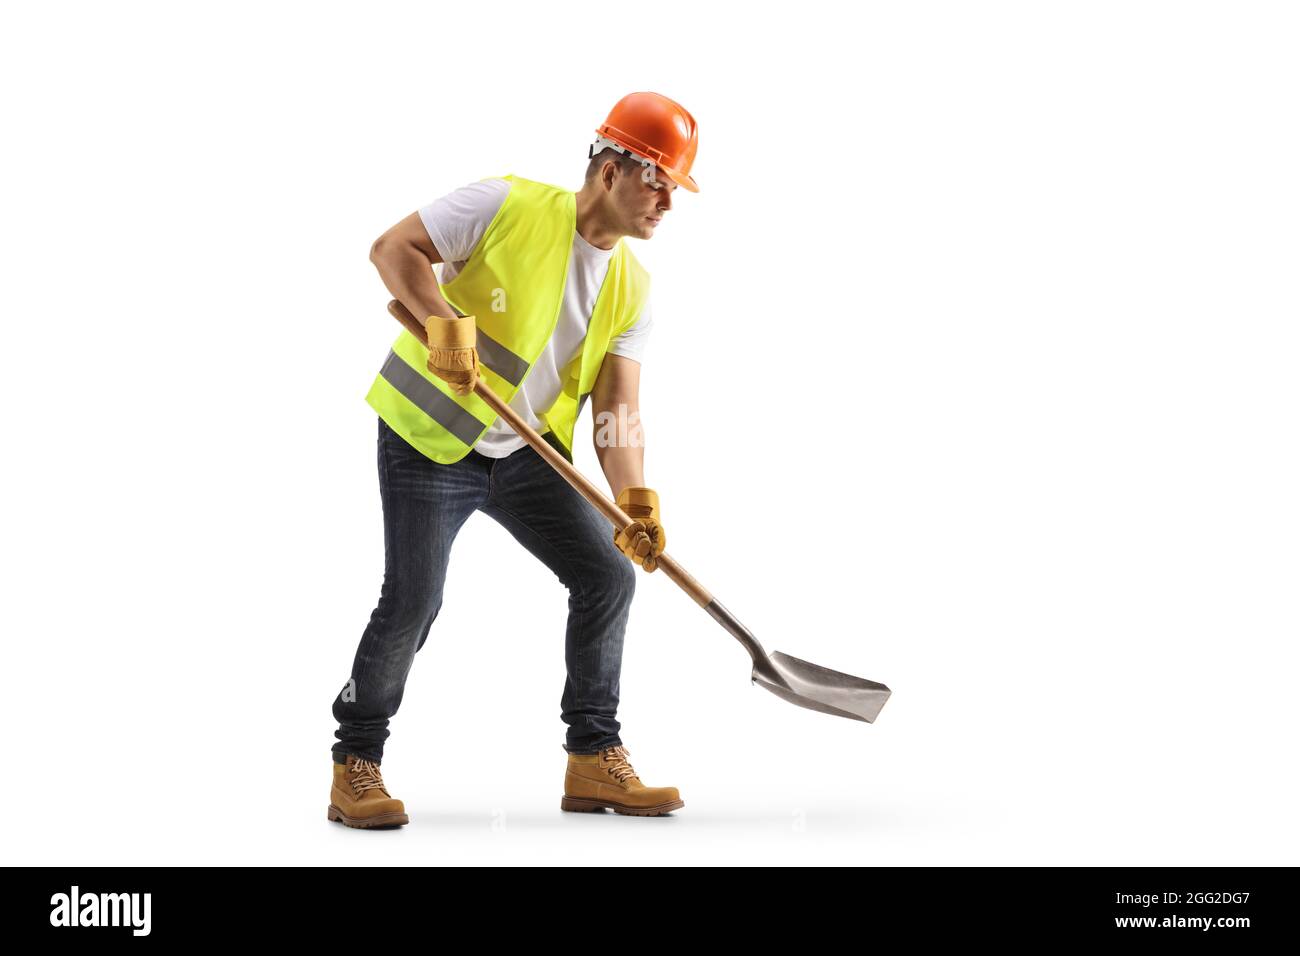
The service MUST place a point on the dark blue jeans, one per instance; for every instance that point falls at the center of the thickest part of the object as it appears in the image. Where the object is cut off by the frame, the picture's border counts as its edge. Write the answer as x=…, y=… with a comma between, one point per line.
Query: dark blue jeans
x=425, y=503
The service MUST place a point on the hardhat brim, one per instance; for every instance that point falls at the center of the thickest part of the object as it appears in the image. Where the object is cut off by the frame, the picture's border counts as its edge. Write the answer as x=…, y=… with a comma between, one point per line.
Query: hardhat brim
x=681, y=179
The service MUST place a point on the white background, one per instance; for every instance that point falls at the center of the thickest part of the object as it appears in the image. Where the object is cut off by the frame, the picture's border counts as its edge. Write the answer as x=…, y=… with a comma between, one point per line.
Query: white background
x=974, y=373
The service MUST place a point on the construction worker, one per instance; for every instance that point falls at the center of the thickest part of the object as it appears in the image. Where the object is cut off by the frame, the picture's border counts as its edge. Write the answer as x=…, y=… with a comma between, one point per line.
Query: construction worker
x=541, y=300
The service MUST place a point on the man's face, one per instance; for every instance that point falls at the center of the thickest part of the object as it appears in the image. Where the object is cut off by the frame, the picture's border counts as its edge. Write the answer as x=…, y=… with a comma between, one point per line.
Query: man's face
x=641, y=199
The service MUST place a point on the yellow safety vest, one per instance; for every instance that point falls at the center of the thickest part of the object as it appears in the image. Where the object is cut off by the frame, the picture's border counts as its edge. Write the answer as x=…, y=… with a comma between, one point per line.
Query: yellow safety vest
x=513, y=284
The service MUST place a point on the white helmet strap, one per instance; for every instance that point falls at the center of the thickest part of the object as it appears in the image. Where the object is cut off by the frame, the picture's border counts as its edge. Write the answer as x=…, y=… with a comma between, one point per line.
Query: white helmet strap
x=648, y=166
x=604, y=143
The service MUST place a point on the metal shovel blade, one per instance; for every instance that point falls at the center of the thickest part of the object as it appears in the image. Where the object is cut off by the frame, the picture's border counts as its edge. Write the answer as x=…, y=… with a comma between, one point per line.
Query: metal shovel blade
x=820, y=688
x=803, y=683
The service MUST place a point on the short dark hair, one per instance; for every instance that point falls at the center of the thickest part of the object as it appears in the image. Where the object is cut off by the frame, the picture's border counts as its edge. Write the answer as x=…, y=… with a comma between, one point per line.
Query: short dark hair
x=627, y=164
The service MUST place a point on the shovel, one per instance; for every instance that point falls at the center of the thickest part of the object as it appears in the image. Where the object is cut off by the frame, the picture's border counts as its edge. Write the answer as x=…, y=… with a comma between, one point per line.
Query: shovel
x=797, y=681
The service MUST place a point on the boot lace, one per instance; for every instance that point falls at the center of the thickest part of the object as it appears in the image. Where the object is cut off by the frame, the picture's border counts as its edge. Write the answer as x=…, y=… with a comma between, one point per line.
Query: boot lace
x=617, y=763
x=365, y=776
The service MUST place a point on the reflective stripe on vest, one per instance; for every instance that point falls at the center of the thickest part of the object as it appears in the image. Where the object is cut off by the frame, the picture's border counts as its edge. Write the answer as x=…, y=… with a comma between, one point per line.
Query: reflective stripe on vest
x=500, y=359
x=421, y=393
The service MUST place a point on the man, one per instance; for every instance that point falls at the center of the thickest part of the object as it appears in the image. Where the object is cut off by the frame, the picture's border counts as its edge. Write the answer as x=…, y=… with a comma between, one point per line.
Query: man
x=541, y=300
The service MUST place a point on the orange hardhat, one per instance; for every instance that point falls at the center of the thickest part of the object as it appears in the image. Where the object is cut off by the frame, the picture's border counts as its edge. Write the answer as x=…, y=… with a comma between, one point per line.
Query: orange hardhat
x=652, y=128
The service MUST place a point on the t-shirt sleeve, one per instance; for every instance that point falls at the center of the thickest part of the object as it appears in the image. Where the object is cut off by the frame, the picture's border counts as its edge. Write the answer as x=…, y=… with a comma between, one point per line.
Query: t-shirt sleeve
x=456, y=222
x=631, y=344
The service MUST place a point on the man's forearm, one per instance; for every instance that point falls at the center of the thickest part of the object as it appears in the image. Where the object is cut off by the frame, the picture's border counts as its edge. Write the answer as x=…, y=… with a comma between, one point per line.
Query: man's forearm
x=408, y=274
x=623, y=465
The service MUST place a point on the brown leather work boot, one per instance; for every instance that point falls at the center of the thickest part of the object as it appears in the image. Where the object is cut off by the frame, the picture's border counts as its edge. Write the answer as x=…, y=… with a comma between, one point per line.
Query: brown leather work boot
x=606, y=779
x=359, y=798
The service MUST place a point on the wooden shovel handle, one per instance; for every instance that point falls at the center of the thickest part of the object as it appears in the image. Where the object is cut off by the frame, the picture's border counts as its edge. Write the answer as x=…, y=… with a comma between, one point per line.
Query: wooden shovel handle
x=675, y=572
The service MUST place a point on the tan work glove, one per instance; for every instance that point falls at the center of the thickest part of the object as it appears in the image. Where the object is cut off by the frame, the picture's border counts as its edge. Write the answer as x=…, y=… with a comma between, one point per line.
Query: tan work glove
x=643, y=540
x=452, y=353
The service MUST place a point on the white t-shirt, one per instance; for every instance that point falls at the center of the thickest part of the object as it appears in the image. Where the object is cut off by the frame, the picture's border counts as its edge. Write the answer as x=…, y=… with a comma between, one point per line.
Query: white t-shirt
x=455, y=223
